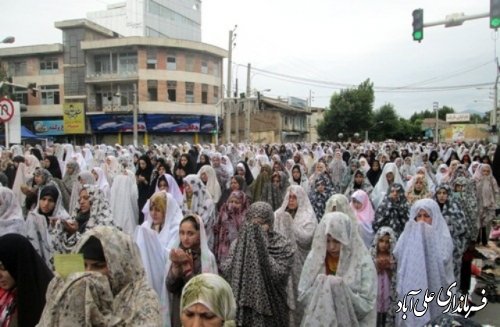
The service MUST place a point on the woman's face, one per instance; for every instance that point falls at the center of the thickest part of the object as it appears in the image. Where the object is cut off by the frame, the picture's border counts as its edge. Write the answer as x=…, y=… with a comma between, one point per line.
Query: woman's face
x=96, y=266
x=234, y=185
x=320, y=167
x=163, y=186
x=7, y=282
x=419, y=185
x=320, y=188
x=142, y=164
x=375, y=166
x=394, y=194
x=390, y=177
x=292, y=202
x=161, y=170
x=486, y=171
x=190, y=237
x=204, y=177
x=184, y=161
x=357, y=205
x=422, y=215
x=96, y=176
x=276, y=166
x=157, y=215
x=70, y=170
x=384, y=244
x=358, y=179
x=188, y=189
x=199, y=315
x=442, y=196
x=332, y=246
x=234, y=203
x=46, y=163
x=203, y=160
x=240, y=171
x=296, y=174
x=38, y=179
x=276, y=181
x=47, y=204
x=84, y=201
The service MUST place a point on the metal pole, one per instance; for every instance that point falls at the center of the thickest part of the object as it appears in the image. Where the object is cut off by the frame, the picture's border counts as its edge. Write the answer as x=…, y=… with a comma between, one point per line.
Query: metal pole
x=366, y=136
x=436, y=108
x=236, y=115
x=247, y=104
x=227, y=121
x=134, y=115
x=495, y=104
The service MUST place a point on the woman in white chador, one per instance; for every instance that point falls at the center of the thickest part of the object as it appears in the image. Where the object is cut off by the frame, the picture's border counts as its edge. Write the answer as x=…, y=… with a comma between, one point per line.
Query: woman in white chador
x=123, y=201
x=295, y=220
x=155, y=237
x=338, y=284
x=424, y=253
x=390, y=175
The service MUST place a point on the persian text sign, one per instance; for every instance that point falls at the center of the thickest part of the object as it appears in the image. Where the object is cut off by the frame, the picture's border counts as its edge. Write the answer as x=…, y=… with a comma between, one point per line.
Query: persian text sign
x=49, y=127
x=74, y=118
x=455, y=118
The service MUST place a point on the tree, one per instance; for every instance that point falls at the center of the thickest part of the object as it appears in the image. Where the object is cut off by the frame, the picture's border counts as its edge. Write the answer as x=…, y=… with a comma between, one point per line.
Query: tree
x=5, y=89
x=350, y=112
x=386, y=123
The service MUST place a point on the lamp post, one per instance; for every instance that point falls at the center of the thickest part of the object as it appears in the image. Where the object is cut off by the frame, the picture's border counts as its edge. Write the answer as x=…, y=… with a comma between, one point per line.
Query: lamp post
x=9, y=39
x=376, y=124
x=227, y=121
x=134, y=116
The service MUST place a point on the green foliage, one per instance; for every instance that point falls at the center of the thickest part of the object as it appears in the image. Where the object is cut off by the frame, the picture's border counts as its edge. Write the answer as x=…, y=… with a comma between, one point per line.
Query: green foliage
x=432, y=114
x=350, y=112
x=4, y=90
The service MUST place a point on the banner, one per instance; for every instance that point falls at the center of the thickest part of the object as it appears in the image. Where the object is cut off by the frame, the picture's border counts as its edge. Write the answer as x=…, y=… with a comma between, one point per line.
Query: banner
x=458, y=133
x=173, y=123
x=116, y=123
x=49, y=127
x=74, y=118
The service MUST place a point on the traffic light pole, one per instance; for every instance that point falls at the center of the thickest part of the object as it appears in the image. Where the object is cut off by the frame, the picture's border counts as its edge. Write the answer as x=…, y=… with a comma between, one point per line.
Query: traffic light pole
x=456, y=20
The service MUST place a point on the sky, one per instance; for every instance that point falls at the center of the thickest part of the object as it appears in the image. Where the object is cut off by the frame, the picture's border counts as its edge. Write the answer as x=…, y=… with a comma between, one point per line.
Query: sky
x=317, y=47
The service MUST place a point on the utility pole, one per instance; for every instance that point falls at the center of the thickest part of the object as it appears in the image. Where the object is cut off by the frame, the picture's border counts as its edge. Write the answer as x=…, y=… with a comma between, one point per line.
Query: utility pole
x=247, y=104
x=236, y=114
x=134, y=116
x=436, y=108
x=228, y=107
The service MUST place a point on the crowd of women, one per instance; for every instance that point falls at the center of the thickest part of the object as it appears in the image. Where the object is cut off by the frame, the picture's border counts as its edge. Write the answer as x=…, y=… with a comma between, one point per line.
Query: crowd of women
x=323, y=234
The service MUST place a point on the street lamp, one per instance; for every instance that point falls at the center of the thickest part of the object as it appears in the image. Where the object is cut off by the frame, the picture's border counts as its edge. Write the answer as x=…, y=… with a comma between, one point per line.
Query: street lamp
x=376, y=124
x=9, y=39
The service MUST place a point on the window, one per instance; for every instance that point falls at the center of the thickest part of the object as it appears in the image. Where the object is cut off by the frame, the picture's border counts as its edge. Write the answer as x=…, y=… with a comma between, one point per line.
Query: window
x=204, y=67
x=172, y=91
x=21, y=95
x=49, y=66
x=189, y=92
x=216, y=94
x=17, y=68
x=189, y=63
x=216, y=69
x=152, y=90
x=127, y=63
x=151, y=61
x=102, y=64
x=50, y=94
x=171, y=62
x=204, y=93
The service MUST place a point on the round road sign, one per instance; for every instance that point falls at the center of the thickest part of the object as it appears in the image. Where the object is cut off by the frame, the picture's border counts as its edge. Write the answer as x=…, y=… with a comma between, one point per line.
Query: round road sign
x=6, y=110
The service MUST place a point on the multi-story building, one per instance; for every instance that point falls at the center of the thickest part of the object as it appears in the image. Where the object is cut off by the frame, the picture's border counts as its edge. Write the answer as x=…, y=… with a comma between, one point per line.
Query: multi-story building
x=177, y=19
x=316, y=117
x=175, y=85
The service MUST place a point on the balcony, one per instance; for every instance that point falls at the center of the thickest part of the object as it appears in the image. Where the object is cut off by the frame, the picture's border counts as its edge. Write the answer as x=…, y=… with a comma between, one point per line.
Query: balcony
x=98, y=77
x=109, y=108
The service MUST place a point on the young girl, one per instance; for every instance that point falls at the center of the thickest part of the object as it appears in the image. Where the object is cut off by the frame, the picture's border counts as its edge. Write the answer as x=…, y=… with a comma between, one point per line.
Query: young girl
x=487, y=191
x=382, y=247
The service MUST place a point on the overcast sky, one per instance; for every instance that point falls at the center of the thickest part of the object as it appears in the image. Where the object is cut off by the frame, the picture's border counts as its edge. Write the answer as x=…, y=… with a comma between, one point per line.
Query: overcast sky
x=326, y=44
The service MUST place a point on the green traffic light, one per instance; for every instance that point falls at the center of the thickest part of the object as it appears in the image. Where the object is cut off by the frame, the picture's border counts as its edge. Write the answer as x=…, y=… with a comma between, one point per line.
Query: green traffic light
x=495, y=22
x=418, y=35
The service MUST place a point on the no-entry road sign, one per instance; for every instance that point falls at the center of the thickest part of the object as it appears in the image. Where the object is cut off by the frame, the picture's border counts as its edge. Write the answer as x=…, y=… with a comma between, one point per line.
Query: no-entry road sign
x=6, y=110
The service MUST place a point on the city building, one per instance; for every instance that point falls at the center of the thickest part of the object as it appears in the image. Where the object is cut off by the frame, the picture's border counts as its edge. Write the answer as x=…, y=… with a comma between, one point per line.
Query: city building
x=88, y=87
x=176, y=19
x=314, y=120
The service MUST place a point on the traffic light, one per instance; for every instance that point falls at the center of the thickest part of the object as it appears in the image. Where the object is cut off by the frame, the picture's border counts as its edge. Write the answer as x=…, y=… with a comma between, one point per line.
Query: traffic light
x=494, y=14
x=418, y=24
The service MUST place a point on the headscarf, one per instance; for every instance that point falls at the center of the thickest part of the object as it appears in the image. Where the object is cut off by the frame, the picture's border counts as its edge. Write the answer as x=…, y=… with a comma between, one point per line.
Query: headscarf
x=340, y=203
x=261, y=189
x=228, y=225
x=83, y=178
x=11, y=214
x=412, y=195
x=318, y=199
x=257, y=270
x=392, y=213
x=278, y=191
x=214, y=293
x=123, y=202
x=54, y=168
x=212, y=185
x=303, y=181
x=487, y=187
x=102, y=181
x=424, y=248
x=382, y=187
x=373, y=175
x=365, y=216
x=173, y=188
x=365, y=184
x=134, y=301
x=248, y=174
x=326, y=303
x=31, y=274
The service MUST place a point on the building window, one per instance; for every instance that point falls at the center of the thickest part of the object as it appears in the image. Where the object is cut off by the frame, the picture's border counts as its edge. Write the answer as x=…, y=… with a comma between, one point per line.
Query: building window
x=102, y=64
x=216, y=94
x=204, y=67
x=50, y=94
x=189, y=63
x=216, y=69
x=172, y=91
x=49, y=66
x=204, y=93
x=152, y=90
x=17, y=68
x=189, y=92
x=171, y=62
x=151, y=61
x=127, y=63
x=21, y=95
